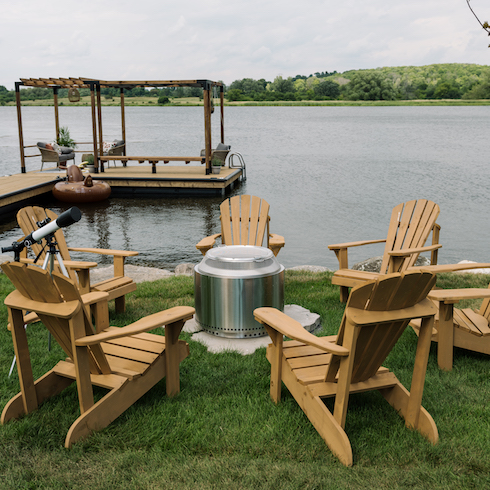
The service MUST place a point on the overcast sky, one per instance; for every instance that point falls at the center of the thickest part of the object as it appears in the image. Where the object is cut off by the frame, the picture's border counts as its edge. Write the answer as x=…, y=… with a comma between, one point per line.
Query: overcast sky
x=230, y=40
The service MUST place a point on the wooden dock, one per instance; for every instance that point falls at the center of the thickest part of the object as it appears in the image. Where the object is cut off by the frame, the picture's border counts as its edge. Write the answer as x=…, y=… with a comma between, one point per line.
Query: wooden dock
x=131, y=181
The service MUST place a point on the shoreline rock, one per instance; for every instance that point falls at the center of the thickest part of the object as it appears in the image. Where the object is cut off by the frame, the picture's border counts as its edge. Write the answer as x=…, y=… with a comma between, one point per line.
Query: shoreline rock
x=141, y=273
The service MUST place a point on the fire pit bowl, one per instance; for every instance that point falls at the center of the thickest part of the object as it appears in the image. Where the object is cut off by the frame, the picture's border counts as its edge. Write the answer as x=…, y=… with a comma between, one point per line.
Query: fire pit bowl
x=230, y=282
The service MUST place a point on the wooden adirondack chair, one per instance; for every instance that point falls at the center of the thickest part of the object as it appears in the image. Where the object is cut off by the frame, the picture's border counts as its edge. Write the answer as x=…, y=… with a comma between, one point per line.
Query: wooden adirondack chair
x=117, y=287
x=466, y=328
x=126, y=361
x=410, y=226
x=313, y=368
x=244, y=221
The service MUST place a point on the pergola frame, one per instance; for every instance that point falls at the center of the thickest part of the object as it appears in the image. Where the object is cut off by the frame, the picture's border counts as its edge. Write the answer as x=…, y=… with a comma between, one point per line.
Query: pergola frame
x=96, y=86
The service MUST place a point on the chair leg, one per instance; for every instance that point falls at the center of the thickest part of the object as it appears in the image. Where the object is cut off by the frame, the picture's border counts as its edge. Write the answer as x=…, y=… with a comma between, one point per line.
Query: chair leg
x=319, y=415
x=114, y=403
x=344, y=294
x=46, y=386
x=398, y=397
x=445, y=337
x=120, y=304
x=100, y=312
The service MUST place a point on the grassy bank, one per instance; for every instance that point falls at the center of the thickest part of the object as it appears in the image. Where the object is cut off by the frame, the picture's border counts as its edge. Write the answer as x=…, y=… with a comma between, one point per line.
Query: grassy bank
x=223, y=431
x=195, y=101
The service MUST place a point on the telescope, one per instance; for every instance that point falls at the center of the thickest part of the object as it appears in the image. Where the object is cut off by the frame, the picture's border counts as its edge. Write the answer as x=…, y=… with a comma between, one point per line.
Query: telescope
x=46, y=228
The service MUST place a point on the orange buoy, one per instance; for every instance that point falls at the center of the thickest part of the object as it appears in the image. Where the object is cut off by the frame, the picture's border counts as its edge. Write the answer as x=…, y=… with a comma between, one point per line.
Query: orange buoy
x=78, y=189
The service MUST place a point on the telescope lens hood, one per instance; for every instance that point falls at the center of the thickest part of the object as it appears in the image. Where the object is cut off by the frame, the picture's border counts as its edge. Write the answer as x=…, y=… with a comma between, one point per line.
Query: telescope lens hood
x=69, y=217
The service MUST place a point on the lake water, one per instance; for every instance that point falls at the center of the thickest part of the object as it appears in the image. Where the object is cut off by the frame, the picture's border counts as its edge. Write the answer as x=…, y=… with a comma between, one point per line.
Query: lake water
x=330, y=174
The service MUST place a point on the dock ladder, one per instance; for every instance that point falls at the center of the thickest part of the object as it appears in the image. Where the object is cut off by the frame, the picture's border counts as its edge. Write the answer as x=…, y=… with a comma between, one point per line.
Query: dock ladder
x=239, y=164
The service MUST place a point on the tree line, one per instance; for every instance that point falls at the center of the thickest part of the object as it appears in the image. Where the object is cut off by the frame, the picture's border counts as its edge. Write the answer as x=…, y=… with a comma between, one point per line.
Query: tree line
x=437, y=81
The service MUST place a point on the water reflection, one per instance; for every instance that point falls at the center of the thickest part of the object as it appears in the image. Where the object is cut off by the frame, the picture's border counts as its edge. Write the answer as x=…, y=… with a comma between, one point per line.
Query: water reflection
x=330, y=174
x=164, y=231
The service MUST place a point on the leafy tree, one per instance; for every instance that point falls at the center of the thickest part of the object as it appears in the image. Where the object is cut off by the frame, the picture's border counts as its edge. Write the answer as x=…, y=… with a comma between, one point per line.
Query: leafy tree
x=371, y=85
x=234, y=94
x=36, y=93
x=248, y=86
x=283, y=85
x=108, y=92
x=193, y=92
x=6, y=95
x=178, y=92
x=300, y=84
x=481, y=90
x=446, y=90
x=328, y=89
x=136, y=92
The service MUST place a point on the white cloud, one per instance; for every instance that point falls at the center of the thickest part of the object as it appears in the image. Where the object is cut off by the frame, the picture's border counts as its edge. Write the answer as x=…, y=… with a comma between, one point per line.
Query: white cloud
x=226, y=40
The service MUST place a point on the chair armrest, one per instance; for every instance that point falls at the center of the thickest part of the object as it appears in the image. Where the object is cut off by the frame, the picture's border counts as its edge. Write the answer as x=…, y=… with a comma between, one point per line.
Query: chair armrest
x=450, y=267
x=69, y=264
x=119, y=256
x=103, y=251
x=450, y=296
x=340, y=246
x=276, y=242
x=291, y=328
x=79, y=264
x=61, y=310
x=341, y=250
x=409, y=251
x=206, y=243
x=94, y=297
x=172, y=315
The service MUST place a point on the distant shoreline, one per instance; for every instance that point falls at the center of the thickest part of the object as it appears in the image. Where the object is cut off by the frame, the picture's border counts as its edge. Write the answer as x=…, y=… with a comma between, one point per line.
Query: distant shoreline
x=193, y=102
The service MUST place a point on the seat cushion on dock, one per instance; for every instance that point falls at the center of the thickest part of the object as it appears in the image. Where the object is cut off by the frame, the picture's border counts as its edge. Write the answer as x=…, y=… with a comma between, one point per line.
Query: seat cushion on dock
x=67, y=156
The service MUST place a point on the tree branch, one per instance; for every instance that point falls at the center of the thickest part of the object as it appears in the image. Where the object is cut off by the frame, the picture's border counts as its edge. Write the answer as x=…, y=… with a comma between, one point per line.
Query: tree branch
x=484, y=25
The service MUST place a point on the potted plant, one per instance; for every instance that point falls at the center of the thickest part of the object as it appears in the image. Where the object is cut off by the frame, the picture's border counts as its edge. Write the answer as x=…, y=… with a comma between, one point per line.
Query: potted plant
x=64, y=138
x=89, y=158
x=215, y=166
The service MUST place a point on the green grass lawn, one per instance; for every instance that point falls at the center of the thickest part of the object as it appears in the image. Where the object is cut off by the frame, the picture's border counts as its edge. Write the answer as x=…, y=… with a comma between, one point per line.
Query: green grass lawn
x=223, y=431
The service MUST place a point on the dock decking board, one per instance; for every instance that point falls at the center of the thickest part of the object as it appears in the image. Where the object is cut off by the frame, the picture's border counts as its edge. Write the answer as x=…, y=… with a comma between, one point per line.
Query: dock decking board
x=19, y=188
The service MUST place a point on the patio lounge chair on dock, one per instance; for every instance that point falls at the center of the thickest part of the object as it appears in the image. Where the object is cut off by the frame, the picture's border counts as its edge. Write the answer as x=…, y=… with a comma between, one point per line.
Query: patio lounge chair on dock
x=49, y=154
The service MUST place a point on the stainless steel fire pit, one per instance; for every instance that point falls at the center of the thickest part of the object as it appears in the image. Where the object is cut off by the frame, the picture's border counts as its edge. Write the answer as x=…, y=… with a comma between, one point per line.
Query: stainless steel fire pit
x=230, y=282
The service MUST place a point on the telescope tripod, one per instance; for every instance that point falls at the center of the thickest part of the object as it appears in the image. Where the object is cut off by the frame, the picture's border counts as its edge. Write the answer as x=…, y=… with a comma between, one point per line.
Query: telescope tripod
x=48, y=264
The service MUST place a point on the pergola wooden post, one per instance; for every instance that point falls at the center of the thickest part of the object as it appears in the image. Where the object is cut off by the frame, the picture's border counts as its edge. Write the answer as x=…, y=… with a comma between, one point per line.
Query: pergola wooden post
x=56, y=113
x=99, y=119
x=207, y=125
x=222, y=107
x=123, y=122
x=19, y=123
x=94, y=127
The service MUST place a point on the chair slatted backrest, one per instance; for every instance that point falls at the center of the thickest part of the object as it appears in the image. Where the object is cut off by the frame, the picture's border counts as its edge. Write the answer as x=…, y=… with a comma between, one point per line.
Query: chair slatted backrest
x=38, y=285
x=389, y=295
x=410, y=225
x=245, y=221
x=27, y=218
x=485, y=308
